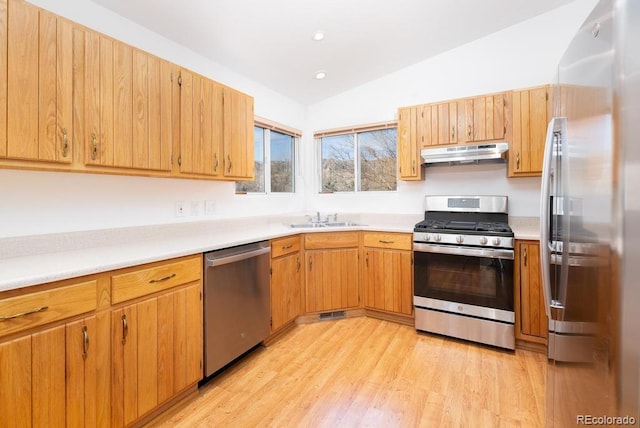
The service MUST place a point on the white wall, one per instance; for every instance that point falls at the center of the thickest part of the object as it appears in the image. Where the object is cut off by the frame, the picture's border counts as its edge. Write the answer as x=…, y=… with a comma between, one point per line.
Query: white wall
x=40, y=202
x=521, y=56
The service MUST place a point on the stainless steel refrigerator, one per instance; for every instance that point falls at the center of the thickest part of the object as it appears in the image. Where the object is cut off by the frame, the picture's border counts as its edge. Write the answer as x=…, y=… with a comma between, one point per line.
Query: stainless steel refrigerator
x=590, y=223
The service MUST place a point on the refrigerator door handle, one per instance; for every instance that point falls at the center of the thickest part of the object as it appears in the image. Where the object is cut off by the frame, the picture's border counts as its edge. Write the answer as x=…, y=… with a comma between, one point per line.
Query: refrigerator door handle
x=545, y=193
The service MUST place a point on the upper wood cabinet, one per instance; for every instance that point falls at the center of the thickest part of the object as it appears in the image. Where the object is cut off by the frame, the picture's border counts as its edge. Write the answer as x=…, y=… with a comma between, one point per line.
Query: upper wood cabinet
x=127, y=105
x=530, y=118
x=408, y=150
x=35, y=84
x=238, y=135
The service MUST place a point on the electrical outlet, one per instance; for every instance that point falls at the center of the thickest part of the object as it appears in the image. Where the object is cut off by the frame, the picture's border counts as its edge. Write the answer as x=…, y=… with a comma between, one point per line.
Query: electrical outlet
x=209, y=207
x=179, y=209
x=196, y=208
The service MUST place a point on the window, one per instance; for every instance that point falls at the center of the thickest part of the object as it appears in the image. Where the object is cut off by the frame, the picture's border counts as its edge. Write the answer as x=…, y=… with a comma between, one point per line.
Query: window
x=359, y=160
x=274, y=159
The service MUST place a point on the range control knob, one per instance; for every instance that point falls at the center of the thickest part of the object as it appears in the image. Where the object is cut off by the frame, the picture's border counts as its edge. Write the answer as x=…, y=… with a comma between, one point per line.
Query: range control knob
x=483, y=240
x=437, y=237
x=459, y=239
x=426, y=237
x=496, y=241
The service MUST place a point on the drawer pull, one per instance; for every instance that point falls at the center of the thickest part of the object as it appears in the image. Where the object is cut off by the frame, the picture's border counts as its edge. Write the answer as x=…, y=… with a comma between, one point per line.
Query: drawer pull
x=525, y=256
x=286, y=247
x=24, y=314
x=382, y=241
x=163, y=279
x=85, y=342
x=125, y=329
x=298, y=268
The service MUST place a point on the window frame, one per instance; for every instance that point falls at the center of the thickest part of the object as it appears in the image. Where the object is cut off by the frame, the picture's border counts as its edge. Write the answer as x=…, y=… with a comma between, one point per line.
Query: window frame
x=357, y=162
x=267, y=127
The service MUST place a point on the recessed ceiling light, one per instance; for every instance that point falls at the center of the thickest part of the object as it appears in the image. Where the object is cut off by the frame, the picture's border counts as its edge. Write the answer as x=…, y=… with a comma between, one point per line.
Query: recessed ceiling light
x=321, y=74
x=318, y=35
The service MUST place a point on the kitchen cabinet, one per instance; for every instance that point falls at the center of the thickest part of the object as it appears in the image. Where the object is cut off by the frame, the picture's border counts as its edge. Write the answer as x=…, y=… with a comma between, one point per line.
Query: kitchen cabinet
x=531, y=115
x=156, y=339
x=331, y=271
x=485, y=118
x=126, y=103
x=35, y=84
x=238, y=135
x=53, y=371
x=201, y=125
x=286, y=281
x=388, y=272
x=531, y=319
x=408, y=151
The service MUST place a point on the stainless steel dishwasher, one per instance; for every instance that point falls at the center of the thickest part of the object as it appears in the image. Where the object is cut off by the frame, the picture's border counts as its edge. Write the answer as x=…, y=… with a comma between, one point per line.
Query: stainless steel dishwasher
x=236, y=302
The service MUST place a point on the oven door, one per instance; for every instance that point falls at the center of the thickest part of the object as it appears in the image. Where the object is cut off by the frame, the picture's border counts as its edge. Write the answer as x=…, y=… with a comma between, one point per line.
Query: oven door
x=474, y=281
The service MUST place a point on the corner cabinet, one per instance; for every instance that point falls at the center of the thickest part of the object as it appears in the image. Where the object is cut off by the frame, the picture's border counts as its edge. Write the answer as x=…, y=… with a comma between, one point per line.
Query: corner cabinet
x=286, y=281
x=331, y=271
x=388, y=272
x=531, y=319
x=531, y=115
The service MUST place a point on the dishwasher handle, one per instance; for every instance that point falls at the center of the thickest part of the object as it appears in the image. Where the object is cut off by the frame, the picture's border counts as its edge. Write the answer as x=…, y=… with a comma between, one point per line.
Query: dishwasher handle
x=237, y=257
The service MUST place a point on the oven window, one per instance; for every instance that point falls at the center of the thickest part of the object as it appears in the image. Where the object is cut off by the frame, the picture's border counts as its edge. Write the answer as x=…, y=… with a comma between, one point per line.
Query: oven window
x=472, y=280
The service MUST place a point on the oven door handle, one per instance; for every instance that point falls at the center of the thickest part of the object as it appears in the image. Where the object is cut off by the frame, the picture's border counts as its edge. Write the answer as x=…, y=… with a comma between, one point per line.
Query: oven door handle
x=492, y=253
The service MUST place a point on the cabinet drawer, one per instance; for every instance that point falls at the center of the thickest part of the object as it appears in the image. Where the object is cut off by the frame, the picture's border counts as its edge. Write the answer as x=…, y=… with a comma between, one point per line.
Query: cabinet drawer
x=281, y=247
x=396, y=241
x=331, y=240
x=34, y=309
x=143, y=281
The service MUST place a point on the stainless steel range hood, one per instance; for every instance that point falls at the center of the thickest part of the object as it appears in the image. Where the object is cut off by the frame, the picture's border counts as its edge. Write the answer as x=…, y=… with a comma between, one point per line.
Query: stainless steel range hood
x=494, y=152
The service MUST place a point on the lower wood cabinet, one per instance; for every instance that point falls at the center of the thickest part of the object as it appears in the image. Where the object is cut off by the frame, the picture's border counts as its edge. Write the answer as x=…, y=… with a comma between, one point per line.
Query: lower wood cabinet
x=286, y=281
x=331, y=271
x=531, y=319
x=388, y=272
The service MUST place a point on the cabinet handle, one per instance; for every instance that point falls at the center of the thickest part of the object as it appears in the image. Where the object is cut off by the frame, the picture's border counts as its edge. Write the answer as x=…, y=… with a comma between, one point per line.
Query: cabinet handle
x=382, y=241
x=94, y=146
x=518, y=160
x=215, y=166
x=453, y=132
x=298, y=268
x=524, y=256
x=163, y=279
x=125, y=329
x=65, y=143
x=310, y=263
x=469, y=131
x=229, y=160
x=85, y=342
x=286, y=247
x=366, y=258
x=413, y=166
x=24, y=314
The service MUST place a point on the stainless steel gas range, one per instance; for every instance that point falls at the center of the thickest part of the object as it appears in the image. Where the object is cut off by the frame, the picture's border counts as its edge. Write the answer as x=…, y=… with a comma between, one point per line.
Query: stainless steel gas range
x=463, y=269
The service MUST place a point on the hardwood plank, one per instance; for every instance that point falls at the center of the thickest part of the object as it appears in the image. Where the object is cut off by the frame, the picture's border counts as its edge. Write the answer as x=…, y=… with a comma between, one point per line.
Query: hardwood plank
x=198, y=101
x=166, y=117
x=443, y=123
x=47, y=86
x=64, y=91
x=186, y=122
x=123, y=112
x=92, y=108
x=205, y=117
x=106, y=102
x=142, y=72
x=48, y=377
x=218, y=127
x=366, y=372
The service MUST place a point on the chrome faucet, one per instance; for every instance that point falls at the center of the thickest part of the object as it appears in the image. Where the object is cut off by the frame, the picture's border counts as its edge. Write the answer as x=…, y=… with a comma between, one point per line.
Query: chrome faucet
x=335, y=217
x=318, y=216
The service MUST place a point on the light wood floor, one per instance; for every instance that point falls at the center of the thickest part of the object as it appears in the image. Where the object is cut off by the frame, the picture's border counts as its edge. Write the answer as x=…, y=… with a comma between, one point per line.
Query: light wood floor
x=366, y=372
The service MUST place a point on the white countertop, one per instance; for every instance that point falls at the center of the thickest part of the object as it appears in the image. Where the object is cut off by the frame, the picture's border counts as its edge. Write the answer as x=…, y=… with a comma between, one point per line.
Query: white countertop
x=32, y=260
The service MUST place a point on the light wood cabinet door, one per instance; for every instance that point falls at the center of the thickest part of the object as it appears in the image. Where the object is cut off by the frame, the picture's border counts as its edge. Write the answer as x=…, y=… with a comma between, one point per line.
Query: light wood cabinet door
x=388, y=280
x=531, y=319
x=331, y=279
x=408, y=153
x=489, y=118
x=201, y=125
x=156, y=352
x=286, y=289
x=37, y=84
x=530, y=120
x=127, y=105
x=238, y=135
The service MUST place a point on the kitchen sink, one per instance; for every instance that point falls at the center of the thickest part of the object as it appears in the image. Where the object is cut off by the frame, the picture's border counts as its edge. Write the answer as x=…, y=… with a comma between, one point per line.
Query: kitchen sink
x=307, y=225
x=343, y=224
